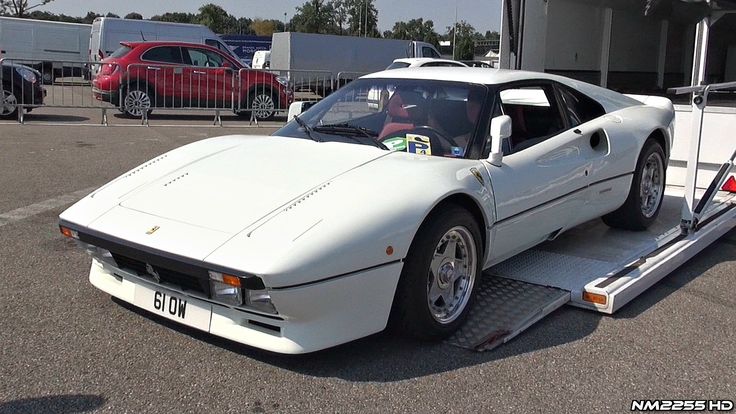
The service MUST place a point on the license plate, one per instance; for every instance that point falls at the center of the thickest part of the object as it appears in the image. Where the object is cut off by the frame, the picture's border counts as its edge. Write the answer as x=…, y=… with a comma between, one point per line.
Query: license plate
x=173, y=306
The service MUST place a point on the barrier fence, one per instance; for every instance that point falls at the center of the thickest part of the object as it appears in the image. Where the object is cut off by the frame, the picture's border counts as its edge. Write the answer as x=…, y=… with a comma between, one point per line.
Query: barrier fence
x=139, y=89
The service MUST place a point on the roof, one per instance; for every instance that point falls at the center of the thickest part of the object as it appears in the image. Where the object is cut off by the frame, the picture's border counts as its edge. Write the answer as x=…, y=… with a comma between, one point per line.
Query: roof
x=136, y=43
x=610, y=100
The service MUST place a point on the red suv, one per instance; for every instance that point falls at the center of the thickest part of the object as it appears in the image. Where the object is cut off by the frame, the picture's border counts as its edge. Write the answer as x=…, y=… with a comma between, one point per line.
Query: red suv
x=171, y=75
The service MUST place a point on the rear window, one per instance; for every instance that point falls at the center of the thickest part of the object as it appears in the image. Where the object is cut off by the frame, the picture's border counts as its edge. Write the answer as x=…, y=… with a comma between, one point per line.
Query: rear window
x=122, y=51
x=398, y=65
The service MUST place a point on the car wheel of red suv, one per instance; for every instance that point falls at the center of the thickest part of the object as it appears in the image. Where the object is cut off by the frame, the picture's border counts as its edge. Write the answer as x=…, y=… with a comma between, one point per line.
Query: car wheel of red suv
x=137, y=99
x=262, y=103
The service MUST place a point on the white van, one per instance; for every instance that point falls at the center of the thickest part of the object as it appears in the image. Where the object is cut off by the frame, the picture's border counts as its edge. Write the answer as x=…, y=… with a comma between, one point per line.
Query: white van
x=262, y=59
x=108, y=32
x=44, y=45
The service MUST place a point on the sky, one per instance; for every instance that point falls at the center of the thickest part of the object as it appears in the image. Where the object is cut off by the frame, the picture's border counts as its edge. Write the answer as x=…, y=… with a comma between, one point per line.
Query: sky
x=481, y=14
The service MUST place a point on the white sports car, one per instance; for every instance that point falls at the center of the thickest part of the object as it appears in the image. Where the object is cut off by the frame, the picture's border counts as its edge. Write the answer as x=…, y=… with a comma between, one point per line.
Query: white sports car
x=359, y=213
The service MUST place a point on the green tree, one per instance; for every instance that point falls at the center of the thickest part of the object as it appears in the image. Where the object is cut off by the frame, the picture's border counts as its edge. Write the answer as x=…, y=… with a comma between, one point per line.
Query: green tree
x=20, y=8
x=134, y=16
x=245, y=26
x=217, y=19
x=266, y=27
x=90, y=17
x=356, y=17
x=176, y=17
x=314, y=16
x=112, y=15
x=465, y=40
x=415, y=29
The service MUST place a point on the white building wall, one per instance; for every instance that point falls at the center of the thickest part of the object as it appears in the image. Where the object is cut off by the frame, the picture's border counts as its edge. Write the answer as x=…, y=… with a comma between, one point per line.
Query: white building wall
x=574, y=35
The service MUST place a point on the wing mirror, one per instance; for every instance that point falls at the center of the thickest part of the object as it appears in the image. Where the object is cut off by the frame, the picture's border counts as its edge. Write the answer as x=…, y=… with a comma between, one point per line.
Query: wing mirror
x=500, y=130
x=297, y=108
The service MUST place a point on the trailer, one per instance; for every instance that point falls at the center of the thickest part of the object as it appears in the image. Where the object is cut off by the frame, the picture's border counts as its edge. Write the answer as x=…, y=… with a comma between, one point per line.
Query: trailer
x=602, y=269
x=321, y=63
x=45, y=45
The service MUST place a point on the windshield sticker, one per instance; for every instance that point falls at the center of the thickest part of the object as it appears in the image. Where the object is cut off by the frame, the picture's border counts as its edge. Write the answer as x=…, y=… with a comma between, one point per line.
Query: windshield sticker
x=418, y=144
x=396, y=144
x=456, y=151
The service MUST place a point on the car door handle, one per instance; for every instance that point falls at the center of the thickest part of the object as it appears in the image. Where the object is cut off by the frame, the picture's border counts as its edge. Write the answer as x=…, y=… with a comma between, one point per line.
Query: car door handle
x=153, y=68
x=196, y=72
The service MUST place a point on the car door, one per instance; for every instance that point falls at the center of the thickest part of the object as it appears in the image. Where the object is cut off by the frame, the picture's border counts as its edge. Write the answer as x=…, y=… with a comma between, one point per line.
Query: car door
x=211, y=81
x=163, y=72
x=542, y=185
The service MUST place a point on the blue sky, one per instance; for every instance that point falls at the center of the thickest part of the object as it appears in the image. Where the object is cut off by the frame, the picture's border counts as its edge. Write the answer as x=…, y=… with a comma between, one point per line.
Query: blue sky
x=482, y=14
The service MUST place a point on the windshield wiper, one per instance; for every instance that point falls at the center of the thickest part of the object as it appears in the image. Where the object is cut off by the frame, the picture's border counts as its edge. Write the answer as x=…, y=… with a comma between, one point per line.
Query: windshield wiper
x=345, y=129
x=307, y=128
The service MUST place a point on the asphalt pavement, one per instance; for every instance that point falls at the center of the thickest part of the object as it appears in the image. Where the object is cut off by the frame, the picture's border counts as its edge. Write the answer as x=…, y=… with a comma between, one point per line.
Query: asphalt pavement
x=66, y=347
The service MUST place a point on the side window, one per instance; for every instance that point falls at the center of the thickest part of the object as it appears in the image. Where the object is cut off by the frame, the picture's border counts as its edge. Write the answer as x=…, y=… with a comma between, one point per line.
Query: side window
x=429, y=52
x=165, y=54
x=578, y=107
x=204, y=58
x=534, y=115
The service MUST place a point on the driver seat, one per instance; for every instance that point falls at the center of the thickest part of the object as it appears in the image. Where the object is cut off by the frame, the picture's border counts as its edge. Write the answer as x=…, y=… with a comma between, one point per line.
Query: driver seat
x=404, y=112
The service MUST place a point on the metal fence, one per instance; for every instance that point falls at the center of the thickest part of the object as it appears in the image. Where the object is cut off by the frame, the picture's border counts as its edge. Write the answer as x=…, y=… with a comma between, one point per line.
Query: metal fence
x=140, y=89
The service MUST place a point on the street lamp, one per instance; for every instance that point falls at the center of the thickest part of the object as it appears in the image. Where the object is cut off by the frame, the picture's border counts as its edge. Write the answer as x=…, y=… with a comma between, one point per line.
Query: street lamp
x=285, y=21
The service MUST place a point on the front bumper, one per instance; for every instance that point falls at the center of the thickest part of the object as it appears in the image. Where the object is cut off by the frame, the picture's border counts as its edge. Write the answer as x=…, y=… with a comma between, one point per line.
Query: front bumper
x=311, y=317
x=105, y=95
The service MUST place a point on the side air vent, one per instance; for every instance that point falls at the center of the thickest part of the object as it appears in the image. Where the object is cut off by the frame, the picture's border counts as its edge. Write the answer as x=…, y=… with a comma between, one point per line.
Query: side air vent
x=305, y=197
x=146, y=165
x=176, y=179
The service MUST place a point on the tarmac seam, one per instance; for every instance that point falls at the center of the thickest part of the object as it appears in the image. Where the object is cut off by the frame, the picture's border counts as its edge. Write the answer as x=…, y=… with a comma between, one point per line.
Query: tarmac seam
x=22, y=213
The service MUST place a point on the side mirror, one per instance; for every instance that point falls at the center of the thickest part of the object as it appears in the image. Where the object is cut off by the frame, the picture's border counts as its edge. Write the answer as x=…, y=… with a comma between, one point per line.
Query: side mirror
x=500, y=130
x=297, y=108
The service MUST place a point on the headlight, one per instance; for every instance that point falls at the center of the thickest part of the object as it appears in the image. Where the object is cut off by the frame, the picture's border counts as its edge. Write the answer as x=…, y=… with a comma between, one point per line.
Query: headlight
x=27, y=74
x=237, y=291
x=283, y=81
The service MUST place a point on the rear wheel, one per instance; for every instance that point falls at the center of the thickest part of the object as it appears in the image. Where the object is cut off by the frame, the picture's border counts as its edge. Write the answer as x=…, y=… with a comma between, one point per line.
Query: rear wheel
x=646, y=193
x=136, y=100
x=437, y=284
x=8, y=104
x=260, y=103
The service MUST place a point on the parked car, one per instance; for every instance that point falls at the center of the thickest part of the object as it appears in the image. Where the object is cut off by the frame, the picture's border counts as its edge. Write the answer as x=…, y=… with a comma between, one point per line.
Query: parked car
x=424, y=63
x=146, y=75
x=477, y=64
x=21, y=85
x=108, y=32
x=352, y=216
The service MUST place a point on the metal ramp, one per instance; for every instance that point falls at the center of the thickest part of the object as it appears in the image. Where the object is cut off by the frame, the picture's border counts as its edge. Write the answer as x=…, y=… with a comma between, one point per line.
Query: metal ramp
x=504, y=308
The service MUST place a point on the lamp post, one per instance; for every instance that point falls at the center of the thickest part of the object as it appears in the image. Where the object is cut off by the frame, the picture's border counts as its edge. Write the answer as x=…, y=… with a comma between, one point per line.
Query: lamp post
x=285, y=21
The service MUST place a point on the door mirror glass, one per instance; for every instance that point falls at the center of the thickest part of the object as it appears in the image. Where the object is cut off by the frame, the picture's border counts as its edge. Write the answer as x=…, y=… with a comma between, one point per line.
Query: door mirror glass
x=500, y=130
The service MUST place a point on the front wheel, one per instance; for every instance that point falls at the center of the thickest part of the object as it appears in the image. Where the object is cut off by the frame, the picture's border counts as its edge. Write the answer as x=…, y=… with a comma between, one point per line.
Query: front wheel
x=8, y=104
x=437, y=284
x=646, y=193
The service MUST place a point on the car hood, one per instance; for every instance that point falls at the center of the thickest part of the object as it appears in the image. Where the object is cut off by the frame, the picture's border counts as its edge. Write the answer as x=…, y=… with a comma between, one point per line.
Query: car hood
x=227, y=190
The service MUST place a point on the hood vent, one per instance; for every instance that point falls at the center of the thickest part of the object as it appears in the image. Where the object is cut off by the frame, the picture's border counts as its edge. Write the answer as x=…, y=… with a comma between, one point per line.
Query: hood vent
x=176, y=179
x=148, y=164
x=305, y=197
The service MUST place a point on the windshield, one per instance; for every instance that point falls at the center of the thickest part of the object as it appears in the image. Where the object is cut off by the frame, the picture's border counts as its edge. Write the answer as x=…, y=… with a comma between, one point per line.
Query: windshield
x=427, y=117
x=398, y=65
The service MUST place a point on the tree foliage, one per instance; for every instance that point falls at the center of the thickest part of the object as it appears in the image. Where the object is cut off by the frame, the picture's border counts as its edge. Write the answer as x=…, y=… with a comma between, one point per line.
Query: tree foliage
x=176, y=17
x=20, y=8
x=266, y=27
x=217, y=19
x=314, y=16
x=465, y=39
x=134, y=16
x=415, y=29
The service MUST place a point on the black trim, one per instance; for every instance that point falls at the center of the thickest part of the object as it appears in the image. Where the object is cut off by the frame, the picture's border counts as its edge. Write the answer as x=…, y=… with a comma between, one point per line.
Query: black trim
x=314, y=282
x=563, y=196
x=707, y=221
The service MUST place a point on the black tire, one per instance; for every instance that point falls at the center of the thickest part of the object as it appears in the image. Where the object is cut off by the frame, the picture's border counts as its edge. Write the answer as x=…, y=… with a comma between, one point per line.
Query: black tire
x=411, y=313
x=632, y=215
x=6, y=112
x=135, y=94
x=47, y=75
x=258, y=98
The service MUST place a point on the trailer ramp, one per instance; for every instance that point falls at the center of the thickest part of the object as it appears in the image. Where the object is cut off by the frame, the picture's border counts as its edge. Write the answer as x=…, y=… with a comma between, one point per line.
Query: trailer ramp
x=503, y=309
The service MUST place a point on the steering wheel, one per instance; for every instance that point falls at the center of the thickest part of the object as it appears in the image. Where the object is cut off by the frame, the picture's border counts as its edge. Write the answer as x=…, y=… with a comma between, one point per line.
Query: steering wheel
x=436, y=133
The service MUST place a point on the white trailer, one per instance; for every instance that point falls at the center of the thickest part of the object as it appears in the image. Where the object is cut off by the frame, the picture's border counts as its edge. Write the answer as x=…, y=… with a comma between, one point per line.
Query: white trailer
x=45, y=45
x=599, y=268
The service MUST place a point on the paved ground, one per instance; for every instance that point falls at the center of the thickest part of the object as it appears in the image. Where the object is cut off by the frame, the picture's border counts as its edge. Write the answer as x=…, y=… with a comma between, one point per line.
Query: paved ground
x=67, y=347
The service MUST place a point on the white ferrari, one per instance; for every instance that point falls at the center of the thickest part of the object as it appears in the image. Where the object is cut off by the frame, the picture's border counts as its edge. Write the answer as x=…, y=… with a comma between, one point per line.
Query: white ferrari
x=383, y=203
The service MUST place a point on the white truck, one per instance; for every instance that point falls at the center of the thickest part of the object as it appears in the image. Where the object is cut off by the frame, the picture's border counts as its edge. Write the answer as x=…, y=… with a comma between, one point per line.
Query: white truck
x=55, y=49
x=321, y=63
x=108, y=32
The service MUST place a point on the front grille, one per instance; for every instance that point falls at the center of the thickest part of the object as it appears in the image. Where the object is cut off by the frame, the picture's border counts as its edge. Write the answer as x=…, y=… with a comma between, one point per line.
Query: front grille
x=184, y=281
